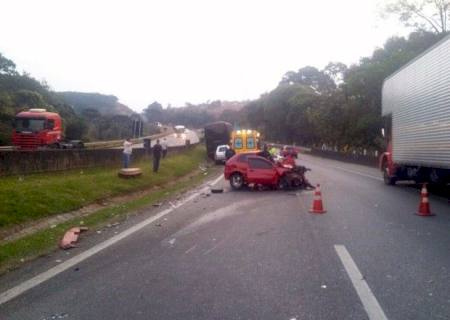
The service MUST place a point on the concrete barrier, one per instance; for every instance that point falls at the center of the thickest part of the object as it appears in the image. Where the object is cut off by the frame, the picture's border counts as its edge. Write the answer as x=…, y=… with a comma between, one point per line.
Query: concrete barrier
x=26, y=162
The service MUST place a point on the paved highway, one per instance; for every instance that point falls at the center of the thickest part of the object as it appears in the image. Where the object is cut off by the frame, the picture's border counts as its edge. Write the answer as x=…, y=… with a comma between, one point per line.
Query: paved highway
x=175, y=140
x=254, y=255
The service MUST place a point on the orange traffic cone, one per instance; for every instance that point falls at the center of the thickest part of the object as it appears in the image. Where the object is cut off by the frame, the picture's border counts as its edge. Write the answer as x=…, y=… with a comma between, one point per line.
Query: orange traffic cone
x=317, y=206
x=424, y=205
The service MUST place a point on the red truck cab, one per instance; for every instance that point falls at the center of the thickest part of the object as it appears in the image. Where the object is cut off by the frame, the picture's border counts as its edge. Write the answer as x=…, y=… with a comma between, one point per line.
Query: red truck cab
x=37, y=128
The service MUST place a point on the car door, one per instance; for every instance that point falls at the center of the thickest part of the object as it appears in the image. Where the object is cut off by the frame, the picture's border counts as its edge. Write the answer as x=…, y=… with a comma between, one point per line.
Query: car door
x=260, y=171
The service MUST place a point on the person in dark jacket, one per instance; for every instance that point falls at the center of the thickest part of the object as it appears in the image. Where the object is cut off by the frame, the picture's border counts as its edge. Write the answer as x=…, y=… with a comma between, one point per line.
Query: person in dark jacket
x=230, y=152
x=157, y=152
x=265, y=153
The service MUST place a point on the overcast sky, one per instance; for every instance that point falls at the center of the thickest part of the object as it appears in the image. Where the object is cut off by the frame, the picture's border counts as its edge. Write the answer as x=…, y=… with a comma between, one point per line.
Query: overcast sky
x=177, y=51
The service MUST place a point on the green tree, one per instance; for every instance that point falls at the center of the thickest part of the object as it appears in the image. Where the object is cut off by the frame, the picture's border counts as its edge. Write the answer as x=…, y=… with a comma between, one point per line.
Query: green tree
x=312, y=77
x=154, y=112
x=431, y=15
x=7, y=66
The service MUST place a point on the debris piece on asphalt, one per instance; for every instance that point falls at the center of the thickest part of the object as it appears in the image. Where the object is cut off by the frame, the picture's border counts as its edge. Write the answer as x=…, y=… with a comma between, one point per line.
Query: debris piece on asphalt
x=323, y=286
x=71, y=237
x=216, y=190
x=58, y=261
x=57, y=316
x=76, y=269
x=158, y=225
x=157, y=204
x=99, y=231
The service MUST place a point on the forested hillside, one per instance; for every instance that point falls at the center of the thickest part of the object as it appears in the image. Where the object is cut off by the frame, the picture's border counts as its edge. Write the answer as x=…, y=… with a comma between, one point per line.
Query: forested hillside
x=195, y=115
x=104, y=104
x=85, y=116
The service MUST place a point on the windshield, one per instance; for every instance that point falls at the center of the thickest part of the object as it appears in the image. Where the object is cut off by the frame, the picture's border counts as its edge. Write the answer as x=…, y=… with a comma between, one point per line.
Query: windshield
x=27, y=124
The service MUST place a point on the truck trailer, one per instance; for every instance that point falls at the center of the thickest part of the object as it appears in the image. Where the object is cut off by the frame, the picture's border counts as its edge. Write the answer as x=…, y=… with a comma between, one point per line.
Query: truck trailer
x=416, y=99
x=217, y=133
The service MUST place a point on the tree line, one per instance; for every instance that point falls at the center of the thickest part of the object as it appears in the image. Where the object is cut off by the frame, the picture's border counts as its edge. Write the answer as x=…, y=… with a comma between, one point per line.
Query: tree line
x=338, y=106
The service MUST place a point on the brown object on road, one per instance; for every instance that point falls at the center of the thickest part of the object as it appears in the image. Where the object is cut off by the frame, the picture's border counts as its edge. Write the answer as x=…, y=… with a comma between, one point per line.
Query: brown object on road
x=130, y=172
x=71, y=237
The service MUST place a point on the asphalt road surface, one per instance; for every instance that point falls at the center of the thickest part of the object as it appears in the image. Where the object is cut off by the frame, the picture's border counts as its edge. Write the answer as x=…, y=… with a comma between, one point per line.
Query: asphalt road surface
x=254, y=255
x=175, y=140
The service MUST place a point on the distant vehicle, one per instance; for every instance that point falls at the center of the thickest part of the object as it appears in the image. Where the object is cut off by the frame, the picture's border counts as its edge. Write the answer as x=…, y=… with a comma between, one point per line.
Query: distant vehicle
x=289, y=151
x=38, y=128
x=219, y=156
x=248, y=168
x=180, y=131
x=245, y=140
x=216, y=133
x=418, y=136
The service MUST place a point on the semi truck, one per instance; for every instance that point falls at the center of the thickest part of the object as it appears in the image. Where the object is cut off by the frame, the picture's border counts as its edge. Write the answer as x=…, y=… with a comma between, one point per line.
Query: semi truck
x=38, y=128
x=416, y=103
x=217, y=133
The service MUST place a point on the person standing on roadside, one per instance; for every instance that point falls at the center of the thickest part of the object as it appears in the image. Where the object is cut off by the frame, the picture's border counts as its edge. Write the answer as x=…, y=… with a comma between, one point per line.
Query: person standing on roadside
x=127, y=150
x=164, y=148
x=157, y=151
x=229, y=152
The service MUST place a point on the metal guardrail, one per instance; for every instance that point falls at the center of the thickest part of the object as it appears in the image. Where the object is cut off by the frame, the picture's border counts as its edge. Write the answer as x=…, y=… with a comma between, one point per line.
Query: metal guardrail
x=108, y=144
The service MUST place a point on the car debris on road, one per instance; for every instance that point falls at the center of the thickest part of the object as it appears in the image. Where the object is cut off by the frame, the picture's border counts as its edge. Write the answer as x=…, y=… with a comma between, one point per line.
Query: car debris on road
x=71, y=237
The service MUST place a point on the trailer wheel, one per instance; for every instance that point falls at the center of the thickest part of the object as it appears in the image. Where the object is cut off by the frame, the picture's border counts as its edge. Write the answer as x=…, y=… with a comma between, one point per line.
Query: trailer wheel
x=388, y=180
x=236, y=181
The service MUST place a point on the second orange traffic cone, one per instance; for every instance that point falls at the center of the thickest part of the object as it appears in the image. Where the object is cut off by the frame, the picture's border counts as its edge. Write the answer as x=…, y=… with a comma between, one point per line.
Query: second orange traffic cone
x=424, y=205
x=317, y=206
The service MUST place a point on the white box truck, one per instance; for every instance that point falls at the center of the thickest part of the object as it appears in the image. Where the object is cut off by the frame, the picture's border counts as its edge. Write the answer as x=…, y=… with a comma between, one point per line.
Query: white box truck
x=417, y=97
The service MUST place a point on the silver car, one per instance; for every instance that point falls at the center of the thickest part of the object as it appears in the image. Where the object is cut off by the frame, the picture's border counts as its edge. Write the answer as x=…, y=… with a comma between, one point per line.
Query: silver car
x=220, y=156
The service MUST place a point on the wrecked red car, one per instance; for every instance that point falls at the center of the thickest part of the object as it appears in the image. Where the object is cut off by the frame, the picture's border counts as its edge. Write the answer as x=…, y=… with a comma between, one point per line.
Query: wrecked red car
x=245, y=169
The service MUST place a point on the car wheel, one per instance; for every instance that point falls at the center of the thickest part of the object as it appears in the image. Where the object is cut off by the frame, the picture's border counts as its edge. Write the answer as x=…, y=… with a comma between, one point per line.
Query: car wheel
x=236, y=181
x=283, y=183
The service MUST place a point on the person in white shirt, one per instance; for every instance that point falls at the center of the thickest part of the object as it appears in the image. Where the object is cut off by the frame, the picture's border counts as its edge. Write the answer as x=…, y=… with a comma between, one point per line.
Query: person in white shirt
x=164, y=147
x=127, y=150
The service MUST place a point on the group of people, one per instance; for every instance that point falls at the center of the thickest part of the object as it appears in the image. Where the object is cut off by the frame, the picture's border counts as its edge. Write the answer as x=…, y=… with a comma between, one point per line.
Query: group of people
x=266, y=152
x=159, y=150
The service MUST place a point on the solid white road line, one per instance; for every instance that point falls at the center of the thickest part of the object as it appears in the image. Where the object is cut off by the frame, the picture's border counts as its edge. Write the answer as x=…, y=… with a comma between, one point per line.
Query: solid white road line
x=40, y=278
x=368, y=300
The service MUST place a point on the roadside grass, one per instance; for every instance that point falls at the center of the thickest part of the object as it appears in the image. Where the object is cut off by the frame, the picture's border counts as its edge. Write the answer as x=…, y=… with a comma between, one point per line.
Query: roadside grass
x=30, y=197
x=15, y=253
